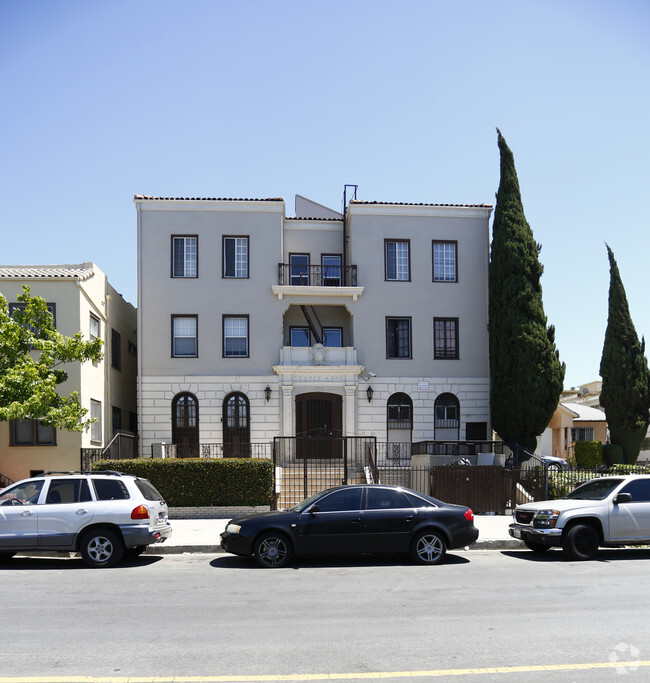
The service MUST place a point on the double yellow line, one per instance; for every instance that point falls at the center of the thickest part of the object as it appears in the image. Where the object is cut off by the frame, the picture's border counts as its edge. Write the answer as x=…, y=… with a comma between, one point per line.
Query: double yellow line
x=629, y=667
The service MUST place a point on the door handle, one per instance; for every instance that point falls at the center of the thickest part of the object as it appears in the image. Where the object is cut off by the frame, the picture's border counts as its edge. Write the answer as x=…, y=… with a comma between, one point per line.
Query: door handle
x=81, y=511
x=27, y=513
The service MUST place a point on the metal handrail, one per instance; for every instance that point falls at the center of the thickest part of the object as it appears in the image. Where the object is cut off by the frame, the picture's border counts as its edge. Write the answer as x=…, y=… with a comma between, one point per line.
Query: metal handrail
x=316, y=276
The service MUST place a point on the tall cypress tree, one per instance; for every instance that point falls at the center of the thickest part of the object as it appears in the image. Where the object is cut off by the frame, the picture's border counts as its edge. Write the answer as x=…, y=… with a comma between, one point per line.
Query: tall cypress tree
x=526, y=374
x=625, y=393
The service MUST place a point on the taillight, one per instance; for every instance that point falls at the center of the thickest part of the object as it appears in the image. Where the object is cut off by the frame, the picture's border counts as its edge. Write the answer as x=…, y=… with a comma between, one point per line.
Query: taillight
x=469, y=515
x=140, y=512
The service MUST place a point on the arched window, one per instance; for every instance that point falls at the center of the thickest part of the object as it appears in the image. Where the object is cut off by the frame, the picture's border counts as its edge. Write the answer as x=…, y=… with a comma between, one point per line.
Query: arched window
x=185, y=425
x=400, y=411
x=447, y=412
x=236, y=426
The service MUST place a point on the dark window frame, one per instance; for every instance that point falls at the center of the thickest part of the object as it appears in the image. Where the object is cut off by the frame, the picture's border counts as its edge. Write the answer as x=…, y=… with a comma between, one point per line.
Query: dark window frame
x=116, y=349
x=338, y=268
x=399, y=411
x=195, y=316
x=173, y=252
x=444, y=280
x=303, y=277
x=229, y=316
x=448, y=351
x=19, y=306
x=224, y=273
x=390, y=319
x=34, y=440
x=397, y=241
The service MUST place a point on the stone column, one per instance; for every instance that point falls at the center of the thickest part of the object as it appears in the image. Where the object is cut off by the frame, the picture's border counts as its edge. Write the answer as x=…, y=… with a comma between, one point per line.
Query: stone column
x=350, y=411
x=287, y=410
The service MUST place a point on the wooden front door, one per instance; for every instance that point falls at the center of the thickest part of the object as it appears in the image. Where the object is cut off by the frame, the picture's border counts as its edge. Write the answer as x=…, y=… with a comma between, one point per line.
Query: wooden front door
x=318, y=425
x=236, y=426
x=185, y=425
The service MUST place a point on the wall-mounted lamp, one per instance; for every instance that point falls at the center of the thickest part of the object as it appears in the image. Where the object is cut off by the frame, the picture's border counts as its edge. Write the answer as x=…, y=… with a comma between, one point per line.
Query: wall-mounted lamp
x=370, y=392
x=267, y=393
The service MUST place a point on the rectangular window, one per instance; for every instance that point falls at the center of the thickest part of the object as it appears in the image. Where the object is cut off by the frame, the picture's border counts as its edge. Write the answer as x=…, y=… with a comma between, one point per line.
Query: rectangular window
x=444, y=262
x=21, y=307
x=332, y=336
x=398, y=337
x=96, y=430
x=235, y=336
x=116, y=350
x=235, y=257
x=582, y=434
x=299, y=269
x=397, y=260
x=300, y=336
x=185, y=256
x=95, y=328
x=331, y=270
x=445, y=338
x=32, y=433
x=185, y=336
x=116, y=415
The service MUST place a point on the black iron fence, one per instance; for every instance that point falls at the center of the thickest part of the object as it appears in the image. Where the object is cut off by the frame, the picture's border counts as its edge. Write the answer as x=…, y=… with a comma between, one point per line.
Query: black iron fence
x=123, y=446
x=317, y=275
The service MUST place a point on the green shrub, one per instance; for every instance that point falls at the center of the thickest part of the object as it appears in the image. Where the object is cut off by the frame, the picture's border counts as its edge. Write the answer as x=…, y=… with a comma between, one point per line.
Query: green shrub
x=589, y=454
x=629, y=469
x=613, y=454
x=193, y=482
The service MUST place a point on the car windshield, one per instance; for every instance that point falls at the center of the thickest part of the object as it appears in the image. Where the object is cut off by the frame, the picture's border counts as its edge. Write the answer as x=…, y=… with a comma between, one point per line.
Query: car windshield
x=596, y=489
x=299, y=507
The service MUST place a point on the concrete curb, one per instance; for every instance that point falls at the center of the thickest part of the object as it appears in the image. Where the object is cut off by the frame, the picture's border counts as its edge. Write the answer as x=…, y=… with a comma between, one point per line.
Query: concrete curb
x=162, y=549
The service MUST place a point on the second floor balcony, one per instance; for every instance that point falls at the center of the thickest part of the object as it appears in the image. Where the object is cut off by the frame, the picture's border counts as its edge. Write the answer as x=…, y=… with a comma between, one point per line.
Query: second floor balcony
x=305, y=275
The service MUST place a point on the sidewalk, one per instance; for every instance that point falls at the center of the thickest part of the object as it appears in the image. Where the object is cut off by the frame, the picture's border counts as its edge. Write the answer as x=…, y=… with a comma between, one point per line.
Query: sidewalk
x=202, y=535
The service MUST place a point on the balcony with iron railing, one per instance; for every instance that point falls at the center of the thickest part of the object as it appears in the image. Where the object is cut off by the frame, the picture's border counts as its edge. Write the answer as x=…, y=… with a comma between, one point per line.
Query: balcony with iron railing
x=322, y=280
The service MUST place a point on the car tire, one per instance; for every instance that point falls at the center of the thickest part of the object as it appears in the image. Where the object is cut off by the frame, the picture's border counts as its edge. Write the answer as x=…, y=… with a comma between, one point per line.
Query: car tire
x=537, y=547
x=272, y=550
x=580, y=542
x=130, y=553
x=428, y=547
x=101, y=548
x=554, y=467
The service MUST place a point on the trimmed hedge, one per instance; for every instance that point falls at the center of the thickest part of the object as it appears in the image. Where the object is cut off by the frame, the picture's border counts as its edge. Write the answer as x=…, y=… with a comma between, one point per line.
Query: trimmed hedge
x=197, y=482
x=613, y=454
x=589, y=454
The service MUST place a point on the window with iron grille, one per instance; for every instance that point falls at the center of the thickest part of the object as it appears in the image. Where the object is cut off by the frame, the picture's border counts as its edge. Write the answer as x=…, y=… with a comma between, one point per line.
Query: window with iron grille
x=582, y=434
x=398, y=337
x=400, y=411
x=116, y=350
x=445, y=338
x=447, y=411
x=185, y=256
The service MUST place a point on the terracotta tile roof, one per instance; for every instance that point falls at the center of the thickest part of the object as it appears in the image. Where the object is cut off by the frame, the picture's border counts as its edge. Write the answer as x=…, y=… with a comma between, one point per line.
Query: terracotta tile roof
x=465, y=206
x=205, y=199
x=81, y=272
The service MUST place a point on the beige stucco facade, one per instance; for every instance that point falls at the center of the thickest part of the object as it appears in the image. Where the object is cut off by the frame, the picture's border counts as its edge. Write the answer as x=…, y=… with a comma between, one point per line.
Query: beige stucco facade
x=78, y=293
x=365, y=311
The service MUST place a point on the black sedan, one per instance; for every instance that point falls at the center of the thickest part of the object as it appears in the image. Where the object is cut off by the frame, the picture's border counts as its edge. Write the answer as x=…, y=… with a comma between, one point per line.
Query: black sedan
x=352, y=520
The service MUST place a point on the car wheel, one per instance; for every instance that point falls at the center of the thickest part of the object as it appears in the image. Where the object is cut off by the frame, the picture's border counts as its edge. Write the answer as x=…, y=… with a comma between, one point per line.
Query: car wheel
x=580, y=542
x=272, y=550
x=554, y=467
x=134, y=552
x=536, y=547
x=101, y=548
x=428, y=547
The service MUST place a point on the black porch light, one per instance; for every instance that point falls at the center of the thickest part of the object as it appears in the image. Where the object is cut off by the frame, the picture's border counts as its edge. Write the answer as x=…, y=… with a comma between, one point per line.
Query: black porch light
x=267, y=393
x=370, y=392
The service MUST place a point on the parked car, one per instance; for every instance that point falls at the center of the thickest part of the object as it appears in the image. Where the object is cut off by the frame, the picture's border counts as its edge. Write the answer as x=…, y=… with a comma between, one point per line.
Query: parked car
x=527, y=459
x=102, y=515
x=353, y=520
x=608, y=511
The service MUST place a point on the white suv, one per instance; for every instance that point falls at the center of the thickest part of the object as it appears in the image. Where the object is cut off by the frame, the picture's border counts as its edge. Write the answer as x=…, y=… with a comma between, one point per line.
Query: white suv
x=105, y=516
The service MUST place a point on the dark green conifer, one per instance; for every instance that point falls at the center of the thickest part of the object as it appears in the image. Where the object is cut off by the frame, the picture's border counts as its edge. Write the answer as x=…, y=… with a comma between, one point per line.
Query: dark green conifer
x=526, y=374
x=625, y=393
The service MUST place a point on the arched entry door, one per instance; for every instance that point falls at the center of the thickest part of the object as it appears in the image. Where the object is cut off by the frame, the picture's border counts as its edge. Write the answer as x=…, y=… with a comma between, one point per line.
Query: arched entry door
x=318, y=425
x=236, y=426
x=185, y=425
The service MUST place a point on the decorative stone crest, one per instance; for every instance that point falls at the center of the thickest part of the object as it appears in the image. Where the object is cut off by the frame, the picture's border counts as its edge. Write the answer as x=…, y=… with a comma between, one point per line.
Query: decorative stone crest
x=318, y=355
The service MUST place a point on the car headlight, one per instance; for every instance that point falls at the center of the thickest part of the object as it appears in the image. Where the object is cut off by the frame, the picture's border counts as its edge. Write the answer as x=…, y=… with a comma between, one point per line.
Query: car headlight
x=233, y=528
x=546, y=519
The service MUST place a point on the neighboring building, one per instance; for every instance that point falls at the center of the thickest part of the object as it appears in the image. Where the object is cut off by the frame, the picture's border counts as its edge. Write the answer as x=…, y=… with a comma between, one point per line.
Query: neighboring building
x=253, y=325
x=573, y=422
x=82, y=300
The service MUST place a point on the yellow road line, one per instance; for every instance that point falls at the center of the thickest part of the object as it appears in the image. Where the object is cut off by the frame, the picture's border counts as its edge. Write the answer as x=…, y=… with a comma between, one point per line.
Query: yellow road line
x=374, y=675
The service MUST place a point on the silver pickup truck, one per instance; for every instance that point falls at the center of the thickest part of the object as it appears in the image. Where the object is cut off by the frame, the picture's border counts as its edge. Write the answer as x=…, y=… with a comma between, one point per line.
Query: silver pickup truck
x=609, y=511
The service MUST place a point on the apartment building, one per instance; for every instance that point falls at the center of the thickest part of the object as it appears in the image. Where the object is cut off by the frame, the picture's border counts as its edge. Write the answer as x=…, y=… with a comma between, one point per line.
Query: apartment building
x=253, y=324
x=81, y=300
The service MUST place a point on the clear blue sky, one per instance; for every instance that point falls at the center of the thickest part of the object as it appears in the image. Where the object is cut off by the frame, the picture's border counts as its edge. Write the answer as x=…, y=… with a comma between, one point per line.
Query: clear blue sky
x=208, y=98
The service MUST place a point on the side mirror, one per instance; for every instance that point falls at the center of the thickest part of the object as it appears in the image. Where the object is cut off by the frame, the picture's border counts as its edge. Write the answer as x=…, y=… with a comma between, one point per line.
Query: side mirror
x=623, y=498
x=313, y=509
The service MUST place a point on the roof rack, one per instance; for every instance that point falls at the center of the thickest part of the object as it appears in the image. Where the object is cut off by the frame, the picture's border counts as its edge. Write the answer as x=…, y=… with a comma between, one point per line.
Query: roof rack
x=111, y=472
